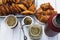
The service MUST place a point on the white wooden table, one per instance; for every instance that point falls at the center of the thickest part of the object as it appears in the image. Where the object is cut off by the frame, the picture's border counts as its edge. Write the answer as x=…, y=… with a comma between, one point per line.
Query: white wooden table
x=16, y=34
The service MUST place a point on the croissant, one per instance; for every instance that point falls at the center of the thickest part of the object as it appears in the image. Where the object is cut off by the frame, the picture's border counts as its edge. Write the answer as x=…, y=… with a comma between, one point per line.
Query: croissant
x=49, y=12
x=46, y=6
x=39, y=11
x=44, y=18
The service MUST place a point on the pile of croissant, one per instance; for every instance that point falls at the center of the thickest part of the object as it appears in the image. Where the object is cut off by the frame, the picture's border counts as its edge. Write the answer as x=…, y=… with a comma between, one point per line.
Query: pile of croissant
x=44, y=12
x=24, y=7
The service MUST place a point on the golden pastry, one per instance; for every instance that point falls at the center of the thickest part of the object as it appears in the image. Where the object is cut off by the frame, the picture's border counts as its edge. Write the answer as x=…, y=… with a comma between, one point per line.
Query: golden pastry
x=11, y=0
x=22, y=6
x=44, y=12
x=44, y=18
x=30, y=2
x=46, y=6
x=1, y=2
x=18, y=8
x=23, y=0
x=4, y=1
x=6, y=7
x=16, y=1
x=3, y=10
x=39, y=10
x=15, y=9
x=25, y=3
x=0, y=11
x=32, y=8
x=11, y=9
x=27, y=12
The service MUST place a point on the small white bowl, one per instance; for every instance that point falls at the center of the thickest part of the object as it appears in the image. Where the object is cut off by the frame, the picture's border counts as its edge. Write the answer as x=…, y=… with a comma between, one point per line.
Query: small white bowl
x=26, y=17
x=39, y=35
x=7, y=24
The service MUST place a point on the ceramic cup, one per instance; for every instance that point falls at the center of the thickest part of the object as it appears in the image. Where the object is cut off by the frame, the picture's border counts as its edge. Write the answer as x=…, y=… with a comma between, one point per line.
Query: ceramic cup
x=10, y=20
x=35, y=31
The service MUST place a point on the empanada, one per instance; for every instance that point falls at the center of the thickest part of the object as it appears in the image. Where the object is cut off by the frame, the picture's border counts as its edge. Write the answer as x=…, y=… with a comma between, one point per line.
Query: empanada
x=27, y=12
x=18, y=8
x=14, y=8
x=3, y=10
x=4, y=1
x=16, y=1
x=23, y=0
x=30, y=2
x=11, y=9
x=25, y=3
x=11, y=1
x=32, y=8
x=1, y=2
x=0, y=11
x=22, y=6
x=6, y=7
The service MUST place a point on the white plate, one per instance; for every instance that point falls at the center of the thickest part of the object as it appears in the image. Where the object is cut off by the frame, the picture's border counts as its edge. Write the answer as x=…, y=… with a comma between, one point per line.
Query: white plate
x=39, y=21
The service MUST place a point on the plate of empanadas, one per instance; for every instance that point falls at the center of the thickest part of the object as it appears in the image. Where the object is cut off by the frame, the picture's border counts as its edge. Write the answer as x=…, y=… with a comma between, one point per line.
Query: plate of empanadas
x=17, y=7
